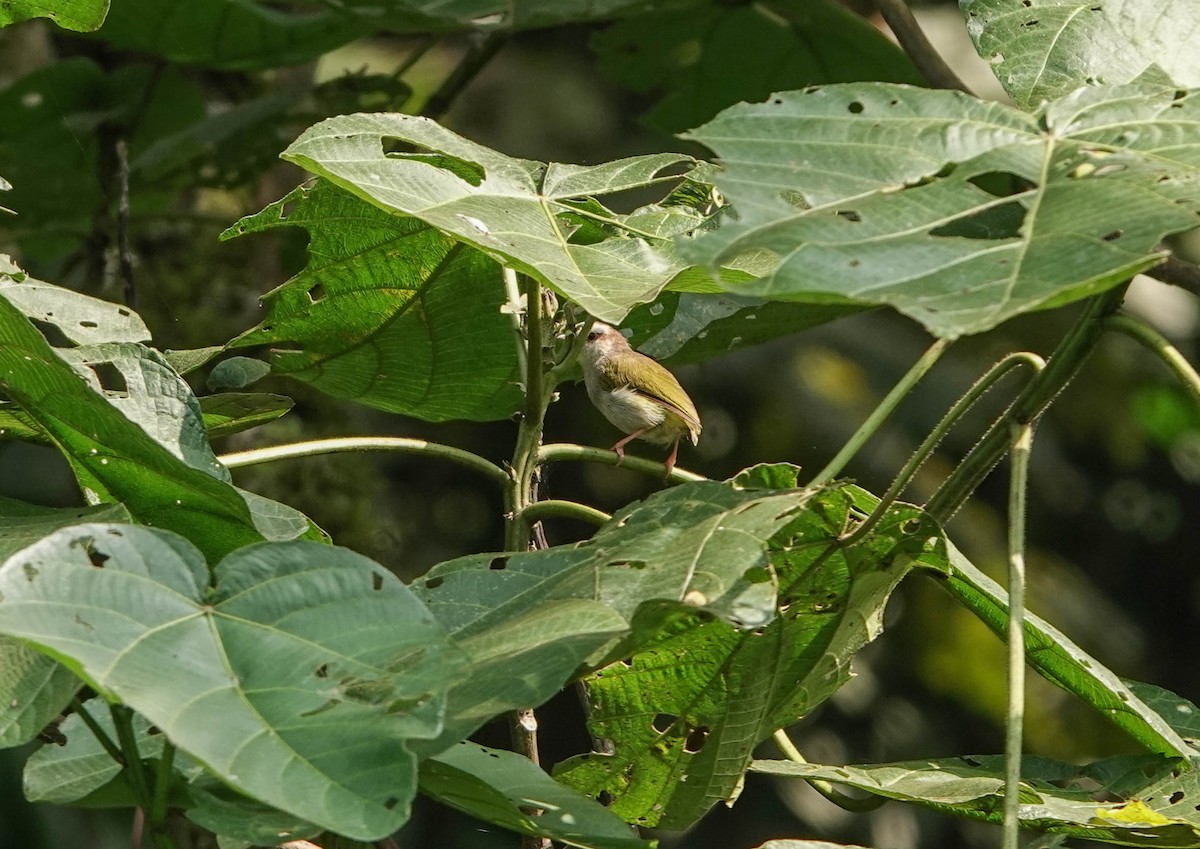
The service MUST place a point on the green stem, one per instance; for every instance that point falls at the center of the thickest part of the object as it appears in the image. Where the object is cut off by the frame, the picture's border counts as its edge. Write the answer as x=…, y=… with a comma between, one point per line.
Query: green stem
x=908, y=32
x=1022, y=442
x=1158, y=343
x=826, y=788
x=1038, y=394
x=989, y=379
x=398, y=444
x=567, y=509
x=880, y=413
x=157, y=814
x=415, y=55
x=99, y=733
x=123, y=722
x=559, y=451
x=478, y=55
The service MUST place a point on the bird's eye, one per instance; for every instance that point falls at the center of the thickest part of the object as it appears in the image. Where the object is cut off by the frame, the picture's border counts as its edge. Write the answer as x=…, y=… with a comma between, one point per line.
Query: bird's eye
x=593, y=336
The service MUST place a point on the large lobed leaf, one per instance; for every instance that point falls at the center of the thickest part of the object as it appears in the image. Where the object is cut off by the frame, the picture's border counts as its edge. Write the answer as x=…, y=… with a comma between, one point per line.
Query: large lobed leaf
x=388, y=312
x=957, y=212
x=1043, y=49
x=683, y=714
x=299, y=678
x=541, y=219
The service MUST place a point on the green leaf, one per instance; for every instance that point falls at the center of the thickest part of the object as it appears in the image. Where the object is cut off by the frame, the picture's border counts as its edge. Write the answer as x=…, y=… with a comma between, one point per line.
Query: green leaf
x=697, y=59
x=1055, y=797
x=686, y=327
x=959, y=213
x=807, y=844
x=79, y=318
x=233, y=412
x=1060, y=661
x=683, y=715
x=228, y=34
x=427, y=15
x=222, y=810
x=33, y=688
x=68, y=774
x=114, y=459
x=1043, y=49
x=388, y=312
x=510, y=791
x=521, y=213
x=78, y=15
x=237, y=373
x=530, y=621
x=308, y=668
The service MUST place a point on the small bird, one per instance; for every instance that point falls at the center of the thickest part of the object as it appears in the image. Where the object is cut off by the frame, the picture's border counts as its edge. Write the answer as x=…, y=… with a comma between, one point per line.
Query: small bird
x=636, y=394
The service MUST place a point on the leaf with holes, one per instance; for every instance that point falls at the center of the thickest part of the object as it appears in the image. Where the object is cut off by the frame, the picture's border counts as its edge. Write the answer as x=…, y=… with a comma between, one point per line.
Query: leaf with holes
x=959, y=213
x=33, y=688
x=683, y=714
x=1043, y=49
x=523, y=214
x=389, y=312
x=510, y=791
x=78, y=15
x=695, y=58
x=1062, y=662
x=530, y=621
x=299, y=679
x=1126, y=800
x=80, y=319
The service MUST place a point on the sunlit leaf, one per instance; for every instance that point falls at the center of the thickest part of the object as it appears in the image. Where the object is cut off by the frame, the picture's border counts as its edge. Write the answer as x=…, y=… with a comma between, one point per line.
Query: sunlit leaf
x=509, y=790
x=78, y=15
x=234, y=412
x=1133, y=802
x=520, y=212
x=299, y=679
x=1043, y=49
x=388, y=312
x=957, y=212
x=684, y=713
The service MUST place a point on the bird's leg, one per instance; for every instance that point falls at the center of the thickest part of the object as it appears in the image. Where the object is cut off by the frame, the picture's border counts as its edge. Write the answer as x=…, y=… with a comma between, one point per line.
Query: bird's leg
x=670, y=462
x=620, y=446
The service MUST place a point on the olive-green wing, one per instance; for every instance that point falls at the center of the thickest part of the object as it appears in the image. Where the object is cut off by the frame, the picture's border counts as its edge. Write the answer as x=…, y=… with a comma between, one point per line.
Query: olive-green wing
x=656, y=384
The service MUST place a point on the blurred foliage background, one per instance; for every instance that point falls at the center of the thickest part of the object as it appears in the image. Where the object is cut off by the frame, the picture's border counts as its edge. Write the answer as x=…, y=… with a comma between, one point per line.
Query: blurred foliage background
x=1115, y=466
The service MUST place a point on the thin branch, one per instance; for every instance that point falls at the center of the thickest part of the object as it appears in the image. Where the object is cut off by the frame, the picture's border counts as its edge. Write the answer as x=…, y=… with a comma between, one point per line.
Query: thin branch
x=559, y=451
x=99, y=733
x=157, y=814
x=539, y=510
x=880, y=413
x=1022, y=442
x=124, y=254
x=1068, y=357
x=826, y=788
x=398, y=444
x=477, y=56
x=908, y=32
x=956, y=412
x=415, y=55
x=1158, y=343
x=1177, y=272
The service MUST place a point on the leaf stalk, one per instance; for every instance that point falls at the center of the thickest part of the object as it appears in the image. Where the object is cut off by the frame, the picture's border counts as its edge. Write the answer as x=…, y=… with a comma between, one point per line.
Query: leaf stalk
x=1022, y=443
x=1156, y=342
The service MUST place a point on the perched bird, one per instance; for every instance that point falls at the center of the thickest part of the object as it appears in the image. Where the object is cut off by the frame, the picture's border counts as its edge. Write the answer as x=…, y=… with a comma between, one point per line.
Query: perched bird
x=635, y=393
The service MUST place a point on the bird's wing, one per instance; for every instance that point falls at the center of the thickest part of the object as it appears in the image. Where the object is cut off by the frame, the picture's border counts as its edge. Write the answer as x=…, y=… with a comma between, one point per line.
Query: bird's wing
x=655, y=384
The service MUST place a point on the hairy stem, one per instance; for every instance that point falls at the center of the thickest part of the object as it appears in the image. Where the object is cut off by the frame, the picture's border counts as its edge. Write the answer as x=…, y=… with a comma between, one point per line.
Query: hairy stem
x=398, y=444
x=908, y=32
x=1038, y=394
x=157, y=815
x=956, y=412
x=559, y=451
x=884, y=409
x=1022, y=442
x=565, y=509
x=826, y=788
x=1158, y=343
